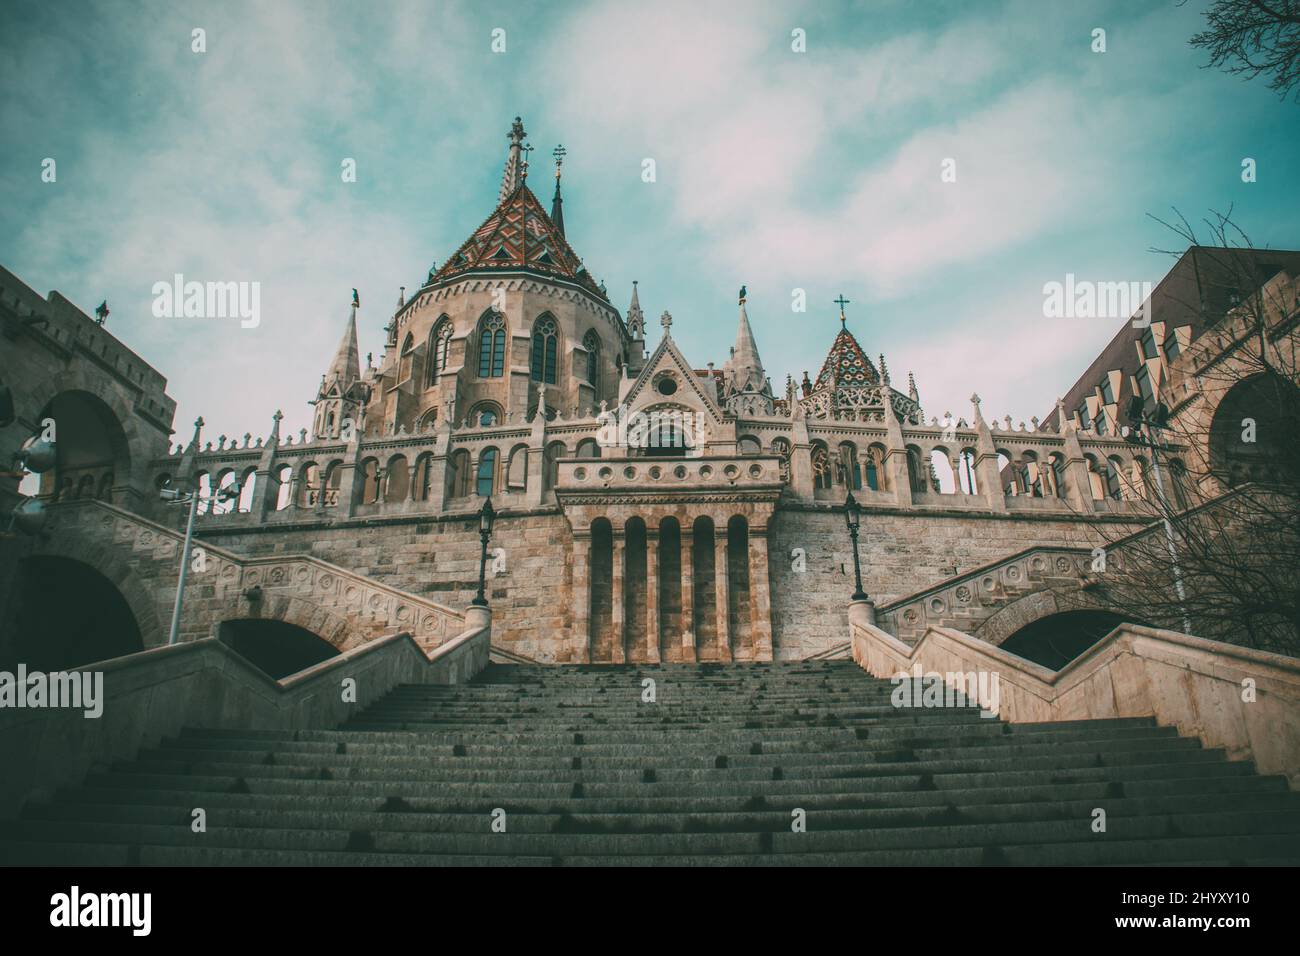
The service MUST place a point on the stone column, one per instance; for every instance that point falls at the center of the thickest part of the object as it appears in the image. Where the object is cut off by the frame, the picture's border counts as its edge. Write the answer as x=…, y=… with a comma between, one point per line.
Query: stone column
x=760, y=598
x=688, y=594
x=720, y=582
x=617, y=554
x=581, y=640
x=652, y=595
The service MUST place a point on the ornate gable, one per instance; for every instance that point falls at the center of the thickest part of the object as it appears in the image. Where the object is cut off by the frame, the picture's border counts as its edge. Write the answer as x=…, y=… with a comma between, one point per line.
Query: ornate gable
x=668, y=362
x=846, y=364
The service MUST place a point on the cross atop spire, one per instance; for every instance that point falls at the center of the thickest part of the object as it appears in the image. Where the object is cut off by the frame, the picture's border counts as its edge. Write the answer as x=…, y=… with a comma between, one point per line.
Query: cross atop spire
x=557, y=204
x=842, y=302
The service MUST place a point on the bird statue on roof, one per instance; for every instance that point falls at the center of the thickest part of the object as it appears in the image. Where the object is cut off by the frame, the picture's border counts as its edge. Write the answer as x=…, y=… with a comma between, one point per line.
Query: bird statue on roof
x=742, y=295
x=101, y=312
x=356, y=299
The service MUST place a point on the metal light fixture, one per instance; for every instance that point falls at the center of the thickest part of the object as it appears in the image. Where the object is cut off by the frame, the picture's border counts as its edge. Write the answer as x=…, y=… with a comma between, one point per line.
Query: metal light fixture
x=852, y=520
x=486, y=518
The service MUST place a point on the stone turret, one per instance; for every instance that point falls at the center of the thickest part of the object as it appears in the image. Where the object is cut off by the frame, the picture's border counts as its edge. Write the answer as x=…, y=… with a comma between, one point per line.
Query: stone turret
x=342, y=394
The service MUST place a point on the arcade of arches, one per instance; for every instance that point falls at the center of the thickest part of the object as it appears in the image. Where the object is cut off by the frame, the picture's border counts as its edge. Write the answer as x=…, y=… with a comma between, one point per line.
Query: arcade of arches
x=667, y=588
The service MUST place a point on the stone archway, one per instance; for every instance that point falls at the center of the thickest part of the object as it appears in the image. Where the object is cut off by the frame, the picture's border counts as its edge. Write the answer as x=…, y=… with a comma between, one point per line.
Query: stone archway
x=68, y=614
x=275, y=647
x=1056, y=639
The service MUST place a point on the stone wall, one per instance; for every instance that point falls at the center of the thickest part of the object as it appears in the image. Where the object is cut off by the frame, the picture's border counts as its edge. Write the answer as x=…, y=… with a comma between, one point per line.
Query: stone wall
x=902, y=553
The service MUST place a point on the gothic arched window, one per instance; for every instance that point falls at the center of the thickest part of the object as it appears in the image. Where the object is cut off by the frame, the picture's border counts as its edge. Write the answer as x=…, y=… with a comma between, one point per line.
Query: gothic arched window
x=591, y=342
x=439, y=346
x=492, y=345
x=545, y=342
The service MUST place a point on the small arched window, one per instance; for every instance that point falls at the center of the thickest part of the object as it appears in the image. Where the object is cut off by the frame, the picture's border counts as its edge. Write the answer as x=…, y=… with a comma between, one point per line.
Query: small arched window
x=492, y=345
x=545, y=344
x=404, y=363
x=439, y=346
x=487, y=469
x=591, y=342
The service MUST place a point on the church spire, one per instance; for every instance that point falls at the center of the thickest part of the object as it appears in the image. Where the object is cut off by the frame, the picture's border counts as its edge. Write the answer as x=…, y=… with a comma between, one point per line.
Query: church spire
x=635, y=317
x=746, y=368
x=513, y=172
x=557, y=204
x=340, y=388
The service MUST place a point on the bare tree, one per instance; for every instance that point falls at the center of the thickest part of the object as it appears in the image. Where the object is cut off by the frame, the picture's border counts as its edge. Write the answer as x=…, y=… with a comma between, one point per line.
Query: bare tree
x=1221, y=452
x=1253, y=38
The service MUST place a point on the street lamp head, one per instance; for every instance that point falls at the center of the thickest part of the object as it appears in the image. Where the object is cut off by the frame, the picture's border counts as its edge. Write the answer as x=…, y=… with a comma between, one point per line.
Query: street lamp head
x=486, y=517
x=852, y=512
x=37, y=455
x=1160, y=417
x=1136, y=409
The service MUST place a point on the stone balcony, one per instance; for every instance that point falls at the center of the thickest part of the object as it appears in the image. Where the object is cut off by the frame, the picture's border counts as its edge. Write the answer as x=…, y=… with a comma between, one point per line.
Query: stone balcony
x=756, y=476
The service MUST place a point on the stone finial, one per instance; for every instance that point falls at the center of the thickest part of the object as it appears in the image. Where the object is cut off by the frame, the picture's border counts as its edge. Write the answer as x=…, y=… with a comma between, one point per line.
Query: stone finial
x=248, y=439
x=1034, y=421
x=302, y=436
x=666, y=320
x=221, y=442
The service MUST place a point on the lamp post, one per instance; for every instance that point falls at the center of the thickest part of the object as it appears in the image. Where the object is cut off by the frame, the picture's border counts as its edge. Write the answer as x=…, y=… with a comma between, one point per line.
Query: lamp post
x=192, y=498
x=1146, y=434
x=486, y=516
x=853, y=518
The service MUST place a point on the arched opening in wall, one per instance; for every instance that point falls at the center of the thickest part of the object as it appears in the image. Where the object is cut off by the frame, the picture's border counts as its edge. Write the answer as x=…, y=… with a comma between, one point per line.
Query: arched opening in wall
x=850, y=472
x=283, y=486
x=90, y=450
x=1060, y=480
x=966, y=472
x=1031, y=477
x=634, y=590
x=670, y=590
x=704, y=590
x=274, y=647
x=602, y=591
x=423, y=476
x=1007, y=475
x=485, y=473
x=333, y=481
x=1114, y=479
x=739, y=624
x=485, y=415
x=1057, y=639
x=203, y=481
x=459, y=479
x=68, y=614
x=397, y=479
x=554, y=452
x=1251, y=429
x=591, y=342
x=781, y=448
x=226, y=481
x=875, y=470
x=918, y=471
x=1096, y=478
x=247, y=490
x=823, y=476
x=369, y=493
x=587, y=448
x=309, y=485
x=662, y=432
x=517, y=469
x=941, y=471
x=749, y=445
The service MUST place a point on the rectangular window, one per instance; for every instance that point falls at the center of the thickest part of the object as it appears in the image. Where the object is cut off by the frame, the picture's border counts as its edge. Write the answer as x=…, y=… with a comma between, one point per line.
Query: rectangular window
x=1084, y=420
x=1149, y=345
x=1143, y=378
x=1107, y=393
x=498, y=353
x=1171, y=345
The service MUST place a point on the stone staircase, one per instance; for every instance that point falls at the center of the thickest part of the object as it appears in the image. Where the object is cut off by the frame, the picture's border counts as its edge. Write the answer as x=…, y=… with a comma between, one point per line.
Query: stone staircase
x=580, y=770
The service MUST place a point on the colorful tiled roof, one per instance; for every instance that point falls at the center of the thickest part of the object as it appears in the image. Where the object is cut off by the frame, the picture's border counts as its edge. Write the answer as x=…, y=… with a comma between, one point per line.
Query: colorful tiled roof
x=847, y=364
x=519, y=235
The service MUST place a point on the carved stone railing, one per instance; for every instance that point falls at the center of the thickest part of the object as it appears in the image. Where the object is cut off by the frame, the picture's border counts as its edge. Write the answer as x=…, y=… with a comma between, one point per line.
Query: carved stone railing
x=339, y=605
x=968, y=599
x=658, y=476
x=1243, y=700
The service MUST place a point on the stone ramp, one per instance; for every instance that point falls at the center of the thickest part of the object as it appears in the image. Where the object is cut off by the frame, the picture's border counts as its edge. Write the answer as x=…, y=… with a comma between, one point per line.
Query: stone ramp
x=711, y=772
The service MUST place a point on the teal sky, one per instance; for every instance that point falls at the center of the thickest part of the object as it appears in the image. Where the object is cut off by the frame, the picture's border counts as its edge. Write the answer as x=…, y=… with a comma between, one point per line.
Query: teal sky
x=775, y=169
